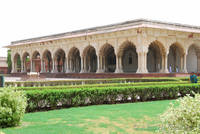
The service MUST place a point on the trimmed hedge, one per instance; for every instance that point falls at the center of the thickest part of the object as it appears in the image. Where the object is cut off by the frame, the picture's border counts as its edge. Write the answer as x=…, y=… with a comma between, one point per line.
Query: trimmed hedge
x=82, y=82
x=51, y=99
x=103, y=85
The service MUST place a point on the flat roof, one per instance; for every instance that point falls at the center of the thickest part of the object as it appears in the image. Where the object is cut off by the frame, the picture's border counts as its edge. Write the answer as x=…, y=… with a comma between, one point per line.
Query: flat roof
x=138, y=23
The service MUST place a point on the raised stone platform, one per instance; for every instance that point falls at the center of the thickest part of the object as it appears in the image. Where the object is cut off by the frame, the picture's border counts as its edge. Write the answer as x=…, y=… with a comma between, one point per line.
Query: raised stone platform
x=103, y=75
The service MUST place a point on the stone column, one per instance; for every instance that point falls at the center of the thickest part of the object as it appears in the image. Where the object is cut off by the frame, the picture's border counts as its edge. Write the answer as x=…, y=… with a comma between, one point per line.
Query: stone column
x=100, y=64
x=70, y=65
x=13, y=67
x=53, y=65
x=22, y=66
x=184, y=70
x=104, y=64
x=85, y=64
x=164, y=68
x=142, y=62
x=56, y=66
x=42, y=66
x=25, y=67
x=31, y=65
x=67, y=70
x=63, y=66
x=166, y=63
x=89, y=65
x=118, y=65
x=82, y=64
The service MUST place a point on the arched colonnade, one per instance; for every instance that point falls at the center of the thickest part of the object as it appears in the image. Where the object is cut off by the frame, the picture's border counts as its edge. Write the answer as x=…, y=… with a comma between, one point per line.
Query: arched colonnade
x=127, y=58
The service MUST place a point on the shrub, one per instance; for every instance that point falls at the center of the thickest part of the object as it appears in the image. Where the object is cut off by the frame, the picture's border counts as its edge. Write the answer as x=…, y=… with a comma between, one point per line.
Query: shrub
x=184, y=118
x=12, y=107
x=102, y=85
x=81, y=82
x=52, y=98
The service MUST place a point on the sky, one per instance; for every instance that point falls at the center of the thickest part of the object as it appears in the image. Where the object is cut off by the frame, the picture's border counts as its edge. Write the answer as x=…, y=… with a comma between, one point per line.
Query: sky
x=22, y=19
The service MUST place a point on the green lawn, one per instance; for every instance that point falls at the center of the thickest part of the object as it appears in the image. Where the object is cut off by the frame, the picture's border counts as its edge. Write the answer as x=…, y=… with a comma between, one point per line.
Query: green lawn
x=130, y=118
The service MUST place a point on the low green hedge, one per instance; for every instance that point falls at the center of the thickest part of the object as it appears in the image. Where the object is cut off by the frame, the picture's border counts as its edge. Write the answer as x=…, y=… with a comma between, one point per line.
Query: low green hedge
x=82, y=82
x=51, y=99
x=103, y=85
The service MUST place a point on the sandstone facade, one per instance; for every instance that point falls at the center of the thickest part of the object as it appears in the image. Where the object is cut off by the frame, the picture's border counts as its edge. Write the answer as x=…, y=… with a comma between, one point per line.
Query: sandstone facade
x=138, y=46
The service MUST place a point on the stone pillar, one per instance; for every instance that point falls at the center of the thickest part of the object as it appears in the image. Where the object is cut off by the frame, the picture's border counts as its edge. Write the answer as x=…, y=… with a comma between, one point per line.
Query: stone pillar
x=63, y=66
x=166, y=63
x=118, y=65
x=104, y=64
x=25, y=67
x=82, y=64
x=31, y=65
x=42, y=66
x=164, y=68
x=85, y=64
x=99, y=64
x=34, y=69
x=22, y=66
x=89, y=65
x=142, y=62
x=13, y=67
x=67, y=69
x=53, y=66
x=70, y=65
x=184, y=70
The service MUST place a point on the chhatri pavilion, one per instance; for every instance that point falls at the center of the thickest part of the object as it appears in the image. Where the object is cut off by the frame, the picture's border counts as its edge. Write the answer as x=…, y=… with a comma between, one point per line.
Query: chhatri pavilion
x=137, y=46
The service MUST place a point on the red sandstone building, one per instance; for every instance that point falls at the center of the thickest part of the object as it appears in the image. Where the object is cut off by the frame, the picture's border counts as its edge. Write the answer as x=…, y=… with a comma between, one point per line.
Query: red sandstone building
x=3, y=65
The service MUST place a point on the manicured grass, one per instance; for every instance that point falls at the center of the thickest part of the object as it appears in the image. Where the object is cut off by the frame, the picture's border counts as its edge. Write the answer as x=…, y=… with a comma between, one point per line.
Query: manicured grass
x=129, y=118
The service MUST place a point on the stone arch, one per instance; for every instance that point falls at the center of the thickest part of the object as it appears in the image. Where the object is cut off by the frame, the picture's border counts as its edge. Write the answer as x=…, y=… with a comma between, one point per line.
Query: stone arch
x=17, y=62
x=175, y=57
x=26, y=62
x=59, y=60
x=74, y=60
x=155, y=57
x=193, y=56
x=107, y=52
x=129, y=57
x=90, y=59
x=36, y=61
x=47, y=61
